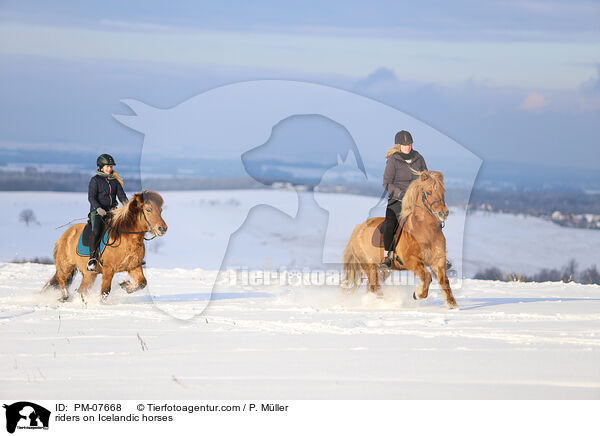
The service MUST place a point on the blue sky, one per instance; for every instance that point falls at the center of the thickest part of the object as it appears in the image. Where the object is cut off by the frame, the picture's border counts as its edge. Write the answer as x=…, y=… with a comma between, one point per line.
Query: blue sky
x=514, y=81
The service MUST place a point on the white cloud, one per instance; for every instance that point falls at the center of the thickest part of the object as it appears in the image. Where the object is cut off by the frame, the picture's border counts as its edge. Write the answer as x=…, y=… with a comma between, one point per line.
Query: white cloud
x=524, y=64
x=533, y=102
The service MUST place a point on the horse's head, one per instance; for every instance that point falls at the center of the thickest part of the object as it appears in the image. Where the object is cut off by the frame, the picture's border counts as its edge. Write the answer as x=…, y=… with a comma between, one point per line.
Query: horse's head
x=150, y=203
x=432, y=194
x=426, y=191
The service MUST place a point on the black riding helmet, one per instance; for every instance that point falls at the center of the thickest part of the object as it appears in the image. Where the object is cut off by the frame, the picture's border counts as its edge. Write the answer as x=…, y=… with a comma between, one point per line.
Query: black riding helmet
x=105, y=159
x=403, y=138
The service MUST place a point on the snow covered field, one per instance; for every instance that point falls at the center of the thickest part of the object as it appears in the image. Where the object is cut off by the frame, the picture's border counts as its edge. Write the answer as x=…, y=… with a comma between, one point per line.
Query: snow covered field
x=509, y=340
x=294, y=340
x=200, y=224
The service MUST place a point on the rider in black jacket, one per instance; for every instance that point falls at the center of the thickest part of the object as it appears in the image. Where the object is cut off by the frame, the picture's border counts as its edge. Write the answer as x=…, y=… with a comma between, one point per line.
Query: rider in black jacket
x=103, y=191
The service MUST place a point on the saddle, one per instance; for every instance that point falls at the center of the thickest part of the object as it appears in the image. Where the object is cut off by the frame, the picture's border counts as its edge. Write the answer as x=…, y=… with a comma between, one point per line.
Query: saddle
x=377, y=238
x=83, y=245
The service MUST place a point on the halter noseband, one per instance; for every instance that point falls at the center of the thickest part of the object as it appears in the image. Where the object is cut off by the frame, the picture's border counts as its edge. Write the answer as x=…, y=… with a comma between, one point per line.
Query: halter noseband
x=429, y=205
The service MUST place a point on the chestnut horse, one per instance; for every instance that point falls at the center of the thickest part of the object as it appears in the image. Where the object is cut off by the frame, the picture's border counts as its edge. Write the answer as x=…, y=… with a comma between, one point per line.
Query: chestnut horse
x=421, y=243
x=124, y=251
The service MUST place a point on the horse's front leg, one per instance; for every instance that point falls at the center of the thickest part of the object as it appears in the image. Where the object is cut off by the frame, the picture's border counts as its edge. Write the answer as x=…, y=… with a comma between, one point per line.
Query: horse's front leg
x=107, y=276
x=418, y=267
x=440, y=273
x=137, y=274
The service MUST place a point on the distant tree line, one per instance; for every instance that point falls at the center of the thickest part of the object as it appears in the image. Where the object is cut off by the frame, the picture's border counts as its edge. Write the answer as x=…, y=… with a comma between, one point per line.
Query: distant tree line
x=566, y=274
x=32, y=180
x=536, y=203
x=41, y=259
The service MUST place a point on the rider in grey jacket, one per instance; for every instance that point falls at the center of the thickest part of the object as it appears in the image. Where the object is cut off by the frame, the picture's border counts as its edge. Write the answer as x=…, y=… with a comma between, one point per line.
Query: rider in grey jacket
x=397, y=176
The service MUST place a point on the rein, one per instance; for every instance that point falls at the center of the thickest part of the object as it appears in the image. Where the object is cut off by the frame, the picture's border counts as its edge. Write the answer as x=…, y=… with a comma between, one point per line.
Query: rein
x=429, y=205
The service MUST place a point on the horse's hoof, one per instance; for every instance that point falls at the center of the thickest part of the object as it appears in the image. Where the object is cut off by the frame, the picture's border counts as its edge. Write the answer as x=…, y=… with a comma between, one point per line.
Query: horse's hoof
x=453, y=306
x=129, y=287
x=415, y=296
x=63, y=299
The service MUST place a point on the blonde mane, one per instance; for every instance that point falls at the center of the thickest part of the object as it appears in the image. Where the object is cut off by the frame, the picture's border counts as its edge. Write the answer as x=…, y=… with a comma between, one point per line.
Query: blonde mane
x=124, y=218
x=435, y=181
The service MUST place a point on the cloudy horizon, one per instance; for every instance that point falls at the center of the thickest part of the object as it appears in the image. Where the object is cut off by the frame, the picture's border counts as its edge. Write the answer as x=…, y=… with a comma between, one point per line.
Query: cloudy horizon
x=511, y=81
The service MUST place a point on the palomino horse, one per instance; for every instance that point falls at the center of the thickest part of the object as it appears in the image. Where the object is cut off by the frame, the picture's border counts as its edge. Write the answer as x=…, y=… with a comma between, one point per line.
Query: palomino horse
x=124, y=251
x=421, y=243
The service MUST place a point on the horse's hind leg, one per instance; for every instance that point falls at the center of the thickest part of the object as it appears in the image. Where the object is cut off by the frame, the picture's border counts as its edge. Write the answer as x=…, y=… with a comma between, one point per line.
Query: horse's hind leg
x=372, y=279
x=62, y=280
x=440, y=274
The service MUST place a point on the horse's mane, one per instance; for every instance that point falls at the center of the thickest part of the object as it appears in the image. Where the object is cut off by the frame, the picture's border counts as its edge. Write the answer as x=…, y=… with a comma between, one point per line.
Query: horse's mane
x=124, y=218
x=413, y=193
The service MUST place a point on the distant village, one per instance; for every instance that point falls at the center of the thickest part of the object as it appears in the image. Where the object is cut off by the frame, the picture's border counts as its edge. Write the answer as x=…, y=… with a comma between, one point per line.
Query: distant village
x=582, y=220
x=586, y=221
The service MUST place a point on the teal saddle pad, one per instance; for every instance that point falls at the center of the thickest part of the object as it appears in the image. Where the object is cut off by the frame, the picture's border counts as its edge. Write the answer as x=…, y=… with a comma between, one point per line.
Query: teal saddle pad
x=83, y=248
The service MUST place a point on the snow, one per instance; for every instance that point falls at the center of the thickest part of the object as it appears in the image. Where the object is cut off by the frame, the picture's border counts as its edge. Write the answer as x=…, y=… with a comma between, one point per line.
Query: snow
x=294, y=336
x=508, y=340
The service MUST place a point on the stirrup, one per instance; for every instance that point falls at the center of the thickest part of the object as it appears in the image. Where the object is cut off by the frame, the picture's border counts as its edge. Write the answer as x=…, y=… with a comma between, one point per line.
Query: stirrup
x=387, y=261
x=92, y=264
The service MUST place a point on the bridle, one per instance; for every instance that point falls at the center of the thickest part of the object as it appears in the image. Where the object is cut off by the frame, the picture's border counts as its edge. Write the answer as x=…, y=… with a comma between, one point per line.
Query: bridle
x=123, y=231
x=149, y=226
x=428, y=205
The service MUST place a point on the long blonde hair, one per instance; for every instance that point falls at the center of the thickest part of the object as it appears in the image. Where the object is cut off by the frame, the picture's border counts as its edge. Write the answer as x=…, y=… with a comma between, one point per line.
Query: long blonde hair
x=392, y=150
x=119, y=179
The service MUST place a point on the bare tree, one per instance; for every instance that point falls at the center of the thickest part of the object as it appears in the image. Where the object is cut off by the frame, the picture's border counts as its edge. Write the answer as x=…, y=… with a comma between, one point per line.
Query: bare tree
x=28, y=217
x=591, y=275
x=570, y=271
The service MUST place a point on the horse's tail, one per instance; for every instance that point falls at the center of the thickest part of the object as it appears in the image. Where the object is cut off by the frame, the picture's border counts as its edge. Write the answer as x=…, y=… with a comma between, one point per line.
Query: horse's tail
x=352, y=275
x=54, y=282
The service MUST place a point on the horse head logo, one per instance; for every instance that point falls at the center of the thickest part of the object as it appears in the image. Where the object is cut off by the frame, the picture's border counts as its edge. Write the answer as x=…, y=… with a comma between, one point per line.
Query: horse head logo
x=235, y=131
x=27, y=415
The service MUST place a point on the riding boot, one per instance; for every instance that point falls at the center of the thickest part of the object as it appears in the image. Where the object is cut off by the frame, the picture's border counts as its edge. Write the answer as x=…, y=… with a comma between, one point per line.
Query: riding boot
x=97, y=229
x=92, y=264
x=390, y=226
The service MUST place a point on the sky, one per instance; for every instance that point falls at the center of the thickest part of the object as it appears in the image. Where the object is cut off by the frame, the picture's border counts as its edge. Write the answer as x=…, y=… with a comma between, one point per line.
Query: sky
x=512, y=81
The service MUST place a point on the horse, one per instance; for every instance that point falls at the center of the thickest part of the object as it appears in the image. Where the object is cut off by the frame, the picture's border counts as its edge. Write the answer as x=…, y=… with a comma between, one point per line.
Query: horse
x=127, y=226
x=421, y=243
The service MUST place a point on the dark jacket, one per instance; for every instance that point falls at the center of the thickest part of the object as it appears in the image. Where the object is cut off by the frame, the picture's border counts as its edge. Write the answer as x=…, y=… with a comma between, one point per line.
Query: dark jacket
x=397, y=175
x=103, y=191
